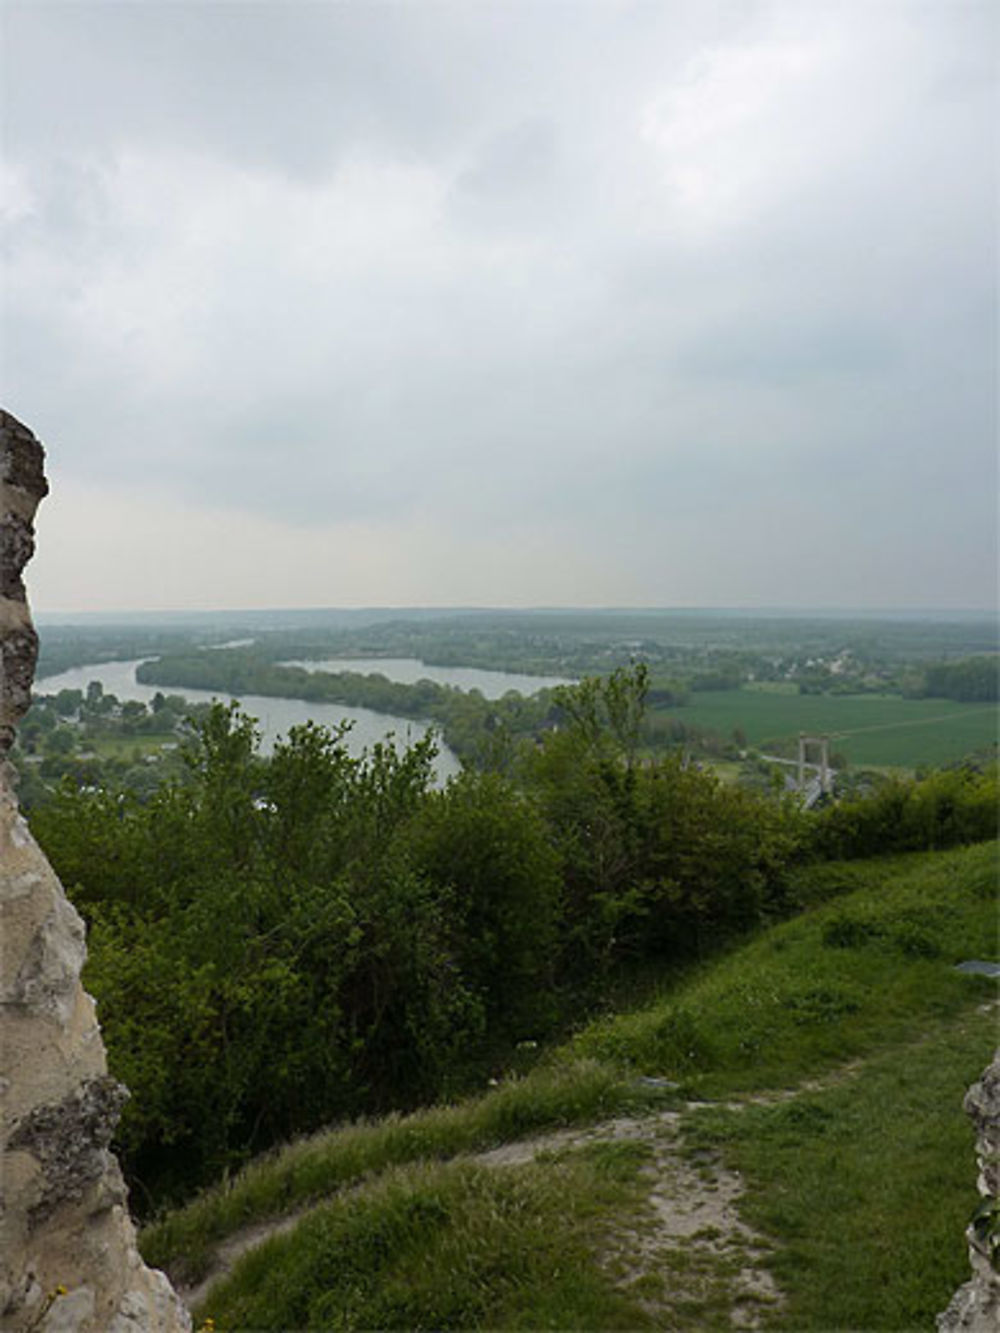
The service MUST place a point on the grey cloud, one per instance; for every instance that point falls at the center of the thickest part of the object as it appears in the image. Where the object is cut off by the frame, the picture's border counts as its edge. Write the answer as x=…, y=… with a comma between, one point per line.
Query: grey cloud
x=290, y=85
x=515, y=182
x=243, y=79
x=788, y=354
x=337, y=263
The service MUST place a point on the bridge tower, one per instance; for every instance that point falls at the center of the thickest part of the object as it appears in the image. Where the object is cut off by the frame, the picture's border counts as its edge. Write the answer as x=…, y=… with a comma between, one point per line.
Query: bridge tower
x=825, y=779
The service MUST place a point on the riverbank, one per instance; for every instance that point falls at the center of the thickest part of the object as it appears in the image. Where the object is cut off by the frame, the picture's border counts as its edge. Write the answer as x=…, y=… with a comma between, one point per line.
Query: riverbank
x=275, y=716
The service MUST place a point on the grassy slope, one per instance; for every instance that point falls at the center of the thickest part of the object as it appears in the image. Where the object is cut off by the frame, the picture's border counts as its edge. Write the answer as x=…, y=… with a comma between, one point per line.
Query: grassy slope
x=856, y=974
x=870, y=729
x=568, y=1093
x=863, y=1187
x=450, y=1246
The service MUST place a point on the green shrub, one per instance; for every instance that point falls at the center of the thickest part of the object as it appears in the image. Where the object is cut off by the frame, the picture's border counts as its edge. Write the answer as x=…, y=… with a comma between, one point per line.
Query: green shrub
x=946, y=809
x=483, y=844
x=851, y=932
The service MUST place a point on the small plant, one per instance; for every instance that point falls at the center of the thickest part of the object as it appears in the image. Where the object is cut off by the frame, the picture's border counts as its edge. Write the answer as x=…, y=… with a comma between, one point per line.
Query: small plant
x=851, y=932
x=986, y=1229
x=47, y=1305
x=916, y=941
x=821, y=1004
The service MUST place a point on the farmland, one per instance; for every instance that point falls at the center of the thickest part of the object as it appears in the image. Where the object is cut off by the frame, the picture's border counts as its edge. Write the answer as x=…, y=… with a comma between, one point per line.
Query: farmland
x=877, y=730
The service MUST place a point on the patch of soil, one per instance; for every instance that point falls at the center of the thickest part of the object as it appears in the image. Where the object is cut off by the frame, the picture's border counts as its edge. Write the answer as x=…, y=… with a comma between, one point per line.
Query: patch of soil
x=692, y=1252
x=233, y=1248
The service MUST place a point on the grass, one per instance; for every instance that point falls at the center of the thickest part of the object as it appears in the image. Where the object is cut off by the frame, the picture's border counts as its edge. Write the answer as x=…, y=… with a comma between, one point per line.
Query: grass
x=448, y=1247
x=726, y=770
x=568, y=1093
x=132, y=748
x=838, y=982
x=864, y=1188
x=870, y=729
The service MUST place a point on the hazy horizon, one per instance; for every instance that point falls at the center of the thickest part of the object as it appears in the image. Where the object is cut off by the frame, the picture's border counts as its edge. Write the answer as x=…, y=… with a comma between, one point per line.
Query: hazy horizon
x=430, y=611
x=688, y=303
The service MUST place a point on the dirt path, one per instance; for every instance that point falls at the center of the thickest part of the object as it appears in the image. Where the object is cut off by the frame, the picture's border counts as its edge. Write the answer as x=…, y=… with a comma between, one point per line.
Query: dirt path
x=692, y=1248
x=234, y=1247
x=690, y=1237
x=690, y=1244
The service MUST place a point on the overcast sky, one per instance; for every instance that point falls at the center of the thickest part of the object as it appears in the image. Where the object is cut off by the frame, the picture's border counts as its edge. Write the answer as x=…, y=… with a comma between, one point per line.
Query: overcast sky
x=519, y=303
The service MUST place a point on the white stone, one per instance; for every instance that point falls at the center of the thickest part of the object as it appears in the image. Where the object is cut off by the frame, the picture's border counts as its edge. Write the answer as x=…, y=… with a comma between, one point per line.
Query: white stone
x=68, y=1256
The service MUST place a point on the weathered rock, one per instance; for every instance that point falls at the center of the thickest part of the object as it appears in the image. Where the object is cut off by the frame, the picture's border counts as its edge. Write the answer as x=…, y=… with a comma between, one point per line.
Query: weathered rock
x=22, y=486
x=69, y=1141
x=68, y=1258
x=975, y=1307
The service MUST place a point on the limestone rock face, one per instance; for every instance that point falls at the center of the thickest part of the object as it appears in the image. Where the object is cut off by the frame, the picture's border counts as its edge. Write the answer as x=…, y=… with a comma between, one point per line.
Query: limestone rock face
x=68, y=1258
x=975, y=1307
x=22, y=485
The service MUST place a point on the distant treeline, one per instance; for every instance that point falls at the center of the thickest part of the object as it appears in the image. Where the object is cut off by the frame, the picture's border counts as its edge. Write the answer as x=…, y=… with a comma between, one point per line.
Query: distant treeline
x=567, y=643
x=972, y=680
x=594, y=641
x=64, y=646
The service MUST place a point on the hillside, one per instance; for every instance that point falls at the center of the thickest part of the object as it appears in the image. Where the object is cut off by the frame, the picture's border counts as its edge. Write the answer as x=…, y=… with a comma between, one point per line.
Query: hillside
x=776, y=1141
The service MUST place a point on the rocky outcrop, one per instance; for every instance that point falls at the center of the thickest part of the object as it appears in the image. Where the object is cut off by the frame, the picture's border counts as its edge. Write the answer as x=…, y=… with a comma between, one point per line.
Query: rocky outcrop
x=975, y=1307
x=68, y=1258
x=22, y=486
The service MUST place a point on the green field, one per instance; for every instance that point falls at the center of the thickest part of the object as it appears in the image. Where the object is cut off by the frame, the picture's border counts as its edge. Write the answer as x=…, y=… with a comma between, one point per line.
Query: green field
x=870, y=729
x=131, y=748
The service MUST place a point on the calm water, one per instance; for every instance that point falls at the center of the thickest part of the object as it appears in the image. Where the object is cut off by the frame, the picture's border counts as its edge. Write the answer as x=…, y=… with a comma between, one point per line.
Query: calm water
x=408, y=670
x=274, y=715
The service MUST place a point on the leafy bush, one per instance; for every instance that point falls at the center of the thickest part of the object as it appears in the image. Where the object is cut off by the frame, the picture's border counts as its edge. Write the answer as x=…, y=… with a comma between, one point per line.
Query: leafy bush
x=485, y=846
x=278, y=943
x=948, y=808
x=658, y=858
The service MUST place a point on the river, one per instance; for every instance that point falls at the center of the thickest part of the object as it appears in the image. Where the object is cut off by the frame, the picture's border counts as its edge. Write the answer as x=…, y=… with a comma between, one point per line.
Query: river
x=275, y=715
x=408, y=670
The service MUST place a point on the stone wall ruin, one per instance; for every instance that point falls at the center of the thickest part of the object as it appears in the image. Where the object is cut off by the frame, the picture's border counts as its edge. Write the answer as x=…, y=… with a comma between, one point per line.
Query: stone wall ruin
x=68, y=1257
x=975, y=1307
